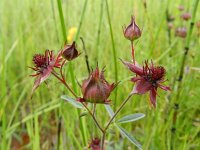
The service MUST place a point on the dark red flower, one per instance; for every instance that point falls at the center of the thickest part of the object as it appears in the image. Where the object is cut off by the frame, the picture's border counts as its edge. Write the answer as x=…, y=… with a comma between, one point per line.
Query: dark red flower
x=132, y=32
x=70, y=52
x=44, y=64
x=96, y=89
x=149, y=78
x=95, y=144
x=181, y=32
x=186, y=16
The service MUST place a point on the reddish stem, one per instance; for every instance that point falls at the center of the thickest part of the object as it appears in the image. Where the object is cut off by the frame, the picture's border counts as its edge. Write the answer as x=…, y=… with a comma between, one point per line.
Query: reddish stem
x=94, y=118
x=65, y=84
x=133, y=52
x=113, y=117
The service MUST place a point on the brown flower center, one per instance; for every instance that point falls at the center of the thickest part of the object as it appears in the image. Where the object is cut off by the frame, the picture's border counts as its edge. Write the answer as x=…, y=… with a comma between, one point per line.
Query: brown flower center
x=39, y=60
x=158, y=73
x=153, y=74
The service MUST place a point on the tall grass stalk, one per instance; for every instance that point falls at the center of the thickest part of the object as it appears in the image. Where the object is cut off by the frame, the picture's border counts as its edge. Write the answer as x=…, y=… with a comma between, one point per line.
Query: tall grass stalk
x=114, y=51
x=82, y=126
x=81, y=19
x=99, y=29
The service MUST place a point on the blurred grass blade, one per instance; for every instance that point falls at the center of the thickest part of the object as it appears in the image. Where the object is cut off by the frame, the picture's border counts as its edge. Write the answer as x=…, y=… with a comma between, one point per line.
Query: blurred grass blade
x=166, y=51
x=81, y=20
x=129, y=137
x=99, y=30
x=62, y=20
x=109, y=110
x=131, y=118
x=31, y=116
x=72, y=101
x=11, y=50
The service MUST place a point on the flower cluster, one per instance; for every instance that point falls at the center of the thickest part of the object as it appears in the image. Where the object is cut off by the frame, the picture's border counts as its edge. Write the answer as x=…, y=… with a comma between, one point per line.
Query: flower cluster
x=96, y=89
x=45, y=64
x=148, y=77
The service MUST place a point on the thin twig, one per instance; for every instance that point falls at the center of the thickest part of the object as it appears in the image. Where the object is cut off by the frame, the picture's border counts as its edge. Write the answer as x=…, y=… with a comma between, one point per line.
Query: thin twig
x=66, y=85
x=94, y=109
x=86, y=56
x=94, y=118
x=110, y=121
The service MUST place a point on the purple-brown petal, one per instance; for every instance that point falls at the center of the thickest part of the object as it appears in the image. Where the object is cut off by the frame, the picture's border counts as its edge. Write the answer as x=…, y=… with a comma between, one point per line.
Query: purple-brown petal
x=135, y=79
x=153, y=97
x=166, y=88
x=141, y=87
x=134, y=68
x=42, y=77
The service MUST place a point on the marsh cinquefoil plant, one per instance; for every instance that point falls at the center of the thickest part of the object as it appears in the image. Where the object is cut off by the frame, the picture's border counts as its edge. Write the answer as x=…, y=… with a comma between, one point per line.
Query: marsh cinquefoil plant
x=96, y=89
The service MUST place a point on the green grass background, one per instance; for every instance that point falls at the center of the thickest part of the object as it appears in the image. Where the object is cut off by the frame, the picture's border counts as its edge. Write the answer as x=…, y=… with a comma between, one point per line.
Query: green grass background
x=31, y=26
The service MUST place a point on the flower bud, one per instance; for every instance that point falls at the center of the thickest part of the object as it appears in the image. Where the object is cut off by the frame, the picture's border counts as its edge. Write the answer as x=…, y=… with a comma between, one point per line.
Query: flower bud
x=170, y=25
x=132, y=32
x=181, y=32
x=70, y=52
x=186, y=16
x=96, y=89
x=181, y=7
x=95, y=144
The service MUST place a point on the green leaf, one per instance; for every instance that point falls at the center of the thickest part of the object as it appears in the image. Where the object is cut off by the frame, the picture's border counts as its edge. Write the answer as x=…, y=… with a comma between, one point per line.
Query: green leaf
x=131, y=118
x=109, y=110
x=129, y=137
x=72, y=101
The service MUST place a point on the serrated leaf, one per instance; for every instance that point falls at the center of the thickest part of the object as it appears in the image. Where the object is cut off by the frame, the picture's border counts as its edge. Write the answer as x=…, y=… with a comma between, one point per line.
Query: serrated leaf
x=109, y=110
x=129, y=137
x=131, y=118
x=72, y=101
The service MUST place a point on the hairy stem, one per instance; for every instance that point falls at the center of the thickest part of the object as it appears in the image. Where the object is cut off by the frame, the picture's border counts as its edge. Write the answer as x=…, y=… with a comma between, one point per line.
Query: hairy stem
x=133, y=52
x=94, y=118
x=65, y=84
x=113, y=117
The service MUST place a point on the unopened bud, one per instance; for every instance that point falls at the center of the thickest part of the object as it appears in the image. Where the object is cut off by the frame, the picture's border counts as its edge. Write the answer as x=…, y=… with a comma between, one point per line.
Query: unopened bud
x=132, y=32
